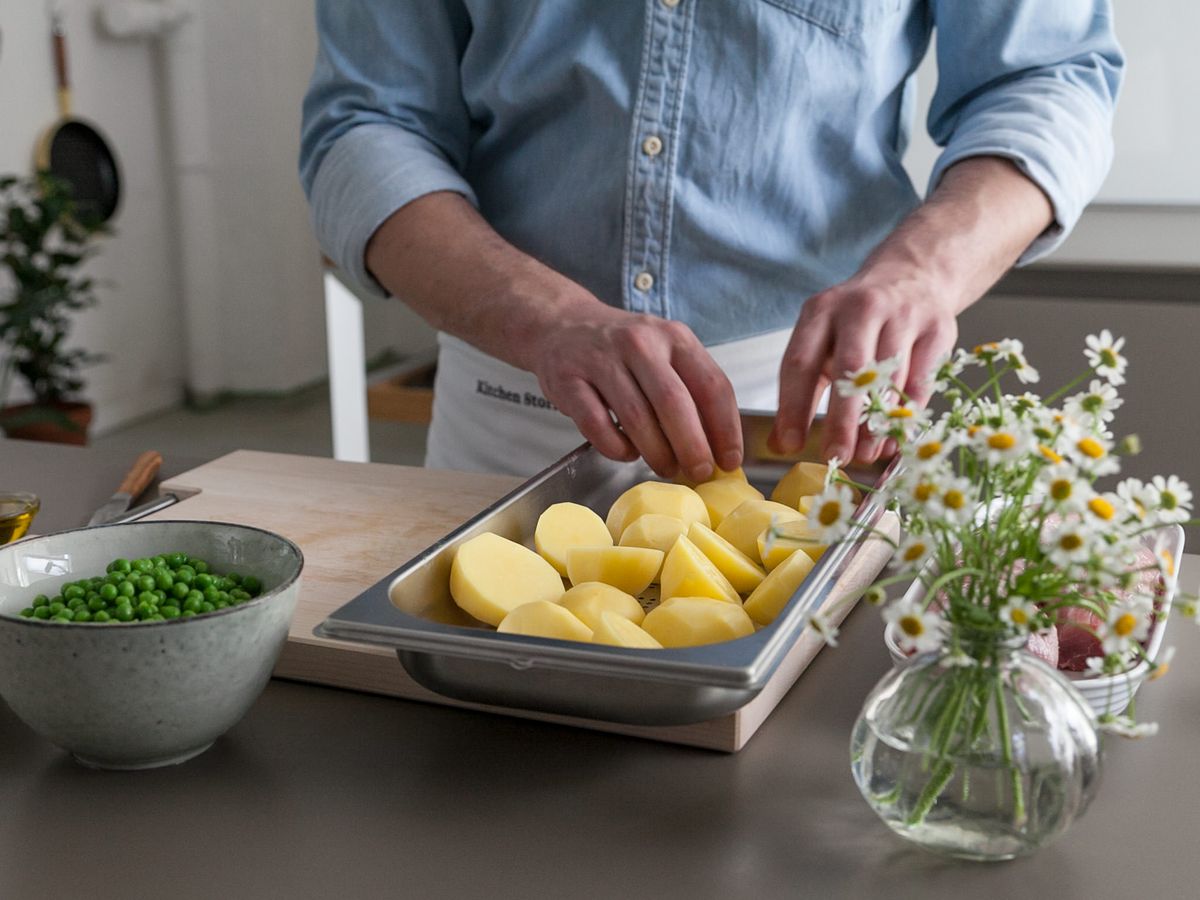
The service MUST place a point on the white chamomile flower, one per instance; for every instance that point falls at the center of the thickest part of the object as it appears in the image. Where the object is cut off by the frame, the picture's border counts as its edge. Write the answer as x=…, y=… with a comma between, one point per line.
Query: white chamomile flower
x=1104, y=356
x=1171, y=498
x=820, y=623
x=1020, y=612
x=1109, y=664
x=956, y=500
x=1125, y=726
x=1024, y=404
x=874, y=377
x=1014, y=355
x=1159, y=667
x=1164, y=557
x=897, y=420
x=922, y=493
x=1003, y=444
x=917, y=630
x=1091, y=452
x=1096, y=404
x=1135, y=497
x=831, y=513
x=928, y=450
x=833, y=468
x=1127, y=622
x=1103, y=509
x=1071, y=542
x=912, y=552
x=949, y=369
x=997, y=350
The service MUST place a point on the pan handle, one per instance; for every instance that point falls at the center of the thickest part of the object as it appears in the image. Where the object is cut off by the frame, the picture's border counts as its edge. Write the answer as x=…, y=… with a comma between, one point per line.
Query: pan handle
x=58, y=38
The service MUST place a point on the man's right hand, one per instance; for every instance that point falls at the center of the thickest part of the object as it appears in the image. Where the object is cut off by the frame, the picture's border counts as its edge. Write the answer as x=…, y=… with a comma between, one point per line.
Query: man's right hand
x=671, y=403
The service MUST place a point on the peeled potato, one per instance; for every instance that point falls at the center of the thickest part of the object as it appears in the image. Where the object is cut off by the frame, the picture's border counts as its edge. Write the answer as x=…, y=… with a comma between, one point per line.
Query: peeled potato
x=800, y=536
x=723, y=496
x=591, y=599
x=743, y=526
x=692, y=621
x=687, y=572
x=544, y=619
x=743, y=573
x=675, y=500
x=717, y=475
x=630, y=569
x=804, y=478
x=770, y=597
x=620, y=632
x=654, y=531
x=491, y=576
x=563, y=526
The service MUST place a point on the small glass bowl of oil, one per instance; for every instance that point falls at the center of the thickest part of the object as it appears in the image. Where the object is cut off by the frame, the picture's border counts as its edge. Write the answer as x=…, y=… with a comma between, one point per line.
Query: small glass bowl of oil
x=17, y=509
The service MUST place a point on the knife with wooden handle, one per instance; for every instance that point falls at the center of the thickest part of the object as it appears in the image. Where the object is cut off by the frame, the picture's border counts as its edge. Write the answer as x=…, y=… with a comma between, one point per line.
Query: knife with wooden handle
x=136, y=480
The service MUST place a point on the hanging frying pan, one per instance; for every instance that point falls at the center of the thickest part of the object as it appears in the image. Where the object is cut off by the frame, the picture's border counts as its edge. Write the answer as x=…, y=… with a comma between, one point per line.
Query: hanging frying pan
x=75, y=151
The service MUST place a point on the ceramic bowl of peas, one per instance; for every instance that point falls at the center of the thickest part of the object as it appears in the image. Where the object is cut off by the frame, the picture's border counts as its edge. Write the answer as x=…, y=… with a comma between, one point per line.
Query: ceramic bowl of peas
x=137, y=645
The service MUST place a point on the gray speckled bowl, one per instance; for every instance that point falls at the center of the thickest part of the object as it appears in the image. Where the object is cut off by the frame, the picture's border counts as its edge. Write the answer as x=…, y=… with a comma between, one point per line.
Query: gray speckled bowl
x=149, y=694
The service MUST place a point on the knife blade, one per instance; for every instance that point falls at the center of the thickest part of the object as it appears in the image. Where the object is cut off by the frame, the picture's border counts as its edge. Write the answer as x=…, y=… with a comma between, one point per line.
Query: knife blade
x=136, y=480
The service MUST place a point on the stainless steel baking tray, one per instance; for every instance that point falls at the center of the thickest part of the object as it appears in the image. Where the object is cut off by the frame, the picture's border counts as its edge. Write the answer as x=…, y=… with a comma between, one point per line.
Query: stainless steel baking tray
x=451, y=654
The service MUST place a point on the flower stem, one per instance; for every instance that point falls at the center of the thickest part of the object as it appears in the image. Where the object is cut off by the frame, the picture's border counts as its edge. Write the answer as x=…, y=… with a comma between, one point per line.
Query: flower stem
x=1019, y=815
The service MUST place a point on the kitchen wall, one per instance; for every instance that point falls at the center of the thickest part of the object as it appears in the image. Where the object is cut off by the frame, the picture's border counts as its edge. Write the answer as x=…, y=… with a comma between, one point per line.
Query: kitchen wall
x=267, y=317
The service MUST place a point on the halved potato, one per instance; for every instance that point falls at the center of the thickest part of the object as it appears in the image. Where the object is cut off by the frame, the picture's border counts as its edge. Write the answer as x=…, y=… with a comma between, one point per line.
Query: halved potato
x=717, y=475
x=743, y=526
x=723, y=496
x=693, y=621
x=743, y=573
x=802, y=479
x=544, y=619
x=675, y=500
x=491, y=576
x=770, y=597
x=654, y=531
x=565, y=525
x=797, y=536
x=620, y=632
x=629, y=568
x=687, y=572
x=587, y=601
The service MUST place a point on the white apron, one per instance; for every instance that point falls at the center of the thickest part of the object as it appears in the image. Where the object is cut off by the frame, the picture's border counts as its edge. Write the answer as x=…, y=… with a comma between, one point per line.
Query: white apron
x=491, y=417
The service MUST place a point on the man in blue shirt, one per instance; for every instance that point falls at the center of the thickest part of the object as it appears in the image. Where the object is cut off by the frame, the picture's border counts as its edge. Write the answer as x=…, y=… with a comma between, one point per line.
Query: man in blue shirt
x=637, y=206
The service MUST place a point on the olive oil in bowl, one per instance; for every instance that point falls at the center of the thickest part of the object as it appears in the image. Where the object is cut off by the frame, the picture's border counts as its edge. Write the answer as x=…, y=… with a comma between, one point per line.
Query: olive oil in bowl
x=16, y=513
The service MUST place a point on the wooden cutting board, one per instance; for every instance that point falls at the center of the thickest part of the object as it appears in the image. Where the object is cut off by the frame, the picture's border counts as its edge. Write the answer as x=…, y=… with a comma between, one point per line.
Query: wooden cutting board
x=357, y=522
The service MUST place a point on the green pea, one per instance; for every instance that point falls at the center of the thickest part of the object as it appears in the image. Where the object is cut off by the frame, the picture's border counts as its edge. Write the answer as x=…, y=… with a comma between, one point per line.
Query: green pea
x=207, y=607
x=221, y=604
x=202, y=581
x=83, y=614
x=101, y=616
x=188, y=614
x=163, y=580
x=65, y=615
x=27, y=612
x=96, y=604
x=41, y=600
x=114, y=577
x=147, y=598
x=223, y=597
x=108, y=592
x=211, y=594
x=76, y=603
x=158, y=560
x=145, y=611
x=143, y=566
x=252, y=585
x=73, y=591
x=171, y=612
x=146, y=583
x=192, y=603
x=119, y=565
x=41, y=612
x=175, y=560
x=179, y=590
x=56, y=607
x=200, y=566
x=123, y=613
x=126, y=589
x=158, y=617
x=160, y=597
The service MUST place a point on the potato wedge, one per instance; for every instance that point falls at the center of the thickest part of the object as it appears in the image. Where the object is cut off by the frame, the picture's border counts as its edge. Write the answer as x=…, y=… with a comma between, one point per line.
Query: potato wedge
x=798, y=536
x=687, y=572
x=631, y=569
x=693, y=621
x=654, y=531
x=565, y=525
x=589, y=600
x=544, y=619
x=743, y=572
x=717, y=475
x=769, y=598
x=620, y=632
x=723, y=496
x=491, y=576
x=675, y=500
x=748, y=520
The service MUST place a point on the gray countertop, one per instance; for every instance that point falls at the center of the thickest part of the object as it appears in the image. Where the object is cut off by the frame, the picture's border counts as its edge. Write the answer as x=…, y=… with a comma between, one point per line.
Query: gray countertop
x=325, y=793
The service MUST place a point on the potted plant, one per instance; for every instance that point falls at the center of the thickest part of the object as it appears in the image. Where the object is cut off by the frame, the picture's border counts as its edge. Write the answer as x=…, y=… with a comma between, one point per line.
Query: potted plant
x=1022, y=557
x=43, y=245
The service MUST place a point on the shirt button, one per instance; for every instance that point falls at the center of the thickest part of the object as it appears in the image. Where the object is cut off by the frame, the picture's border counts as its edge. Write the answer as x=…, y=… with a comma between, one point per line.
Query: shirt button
x=644, y=281
x=652, y=146
x=671, y=3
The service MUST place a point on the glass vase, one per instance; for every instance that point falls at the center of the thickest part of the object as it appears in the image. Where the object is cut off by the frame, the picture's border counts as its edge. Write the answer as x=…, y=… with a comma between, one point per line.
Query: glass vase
x=986, y=754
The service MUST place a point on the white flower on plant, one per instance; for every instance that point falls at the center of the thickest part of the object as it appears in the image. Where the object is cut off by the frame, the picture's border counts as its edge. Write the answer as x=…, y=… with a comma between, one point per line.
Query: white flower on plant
x=1104, y=356
x=1096, y=404
x=833, y=468
x=1109, y=664
x=1024, y=404
x=1136, y=498
x=896, y=419
x=1091, y=452
x=1104, y=508
x=1160, y=666
x=1163, y=555
x=912, y=552
x=874, y=377
x=1020, y=612
x=831, y=513
x=955, y=500
x=1171, y=498
x=994, y=350
x=1071, y=542
x=923, y=492
x=1125, y=726
x=819, y=622
x=1064, y=487
x=1014, y=355
x=949, y=369
x=1003, y=444
x=917, y=630
x=1127, y=623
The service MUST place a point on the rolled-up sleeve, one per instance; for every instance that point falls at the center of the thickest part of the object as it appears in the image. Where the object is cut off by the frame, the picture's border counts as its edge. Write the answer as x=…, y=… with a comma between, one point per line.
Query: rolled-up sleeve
x=384, y=121
x=1034, y=82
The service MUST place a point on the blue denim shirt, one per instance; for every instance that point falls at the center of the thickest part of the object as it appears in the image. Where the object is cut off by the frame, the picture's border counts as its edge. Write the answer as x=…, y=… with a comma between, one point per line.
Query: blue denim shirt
x=712, y=161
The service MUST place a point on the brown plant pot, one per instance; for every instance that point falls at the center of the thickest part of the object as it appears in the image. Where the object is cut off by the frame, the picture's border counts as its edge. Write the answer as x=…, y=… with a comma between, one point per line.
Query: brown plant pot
x=46, y=428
